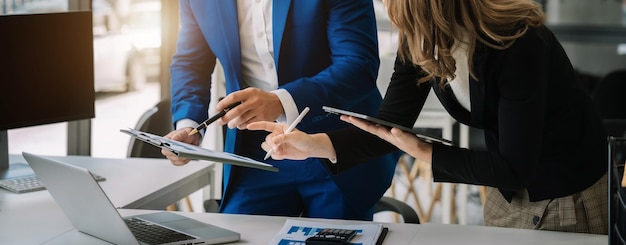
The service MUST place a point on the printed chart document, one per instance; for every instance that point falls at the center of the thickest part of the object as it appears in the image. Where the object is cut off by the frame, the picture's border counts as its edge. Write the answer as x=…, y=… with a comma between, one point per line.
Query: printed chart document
x=198, y=153
x=297, y=231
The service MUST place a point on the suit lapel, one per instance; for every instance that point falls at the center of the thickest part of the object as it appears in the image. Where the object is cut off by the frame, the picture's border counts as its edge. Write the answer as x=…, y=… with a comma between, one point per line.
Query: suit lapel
x=279, y=20
x=226, y=13
x=230, y=29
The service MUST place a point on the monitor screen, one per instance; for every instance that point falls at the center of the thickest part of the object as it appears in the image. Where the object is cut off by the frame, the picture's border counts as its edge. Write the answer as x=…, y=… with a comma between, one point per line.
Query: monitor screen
x=46, y=74
x=46, y=68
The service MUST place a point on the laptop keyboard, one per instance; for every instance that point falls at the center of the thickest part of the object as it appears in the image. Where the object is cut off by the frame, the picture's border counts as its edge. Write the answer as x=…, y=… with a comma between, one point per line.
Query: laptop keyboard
x=154, y=234
x=29, y=183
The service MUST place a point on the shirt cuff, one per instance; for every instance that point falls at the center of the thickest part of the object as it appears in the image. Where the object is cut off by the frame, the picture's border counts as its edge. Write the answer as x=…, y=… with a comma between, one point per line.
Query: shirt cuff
x=333, y=160
x=289, y=106
x=184, y=123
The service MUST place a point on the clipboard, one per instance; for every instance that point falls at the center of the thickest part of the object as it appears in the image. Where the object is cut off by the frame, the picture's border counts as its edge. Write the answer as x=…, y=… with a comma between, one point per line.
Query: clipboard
x=190, y=151
x=371, y=119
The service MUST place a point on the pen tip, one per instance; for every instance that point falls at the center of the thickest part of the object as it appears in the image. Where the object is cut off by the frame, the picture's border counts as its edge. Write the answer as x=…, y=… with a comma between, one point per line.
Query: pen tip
x=194, y=131
x=267, y=155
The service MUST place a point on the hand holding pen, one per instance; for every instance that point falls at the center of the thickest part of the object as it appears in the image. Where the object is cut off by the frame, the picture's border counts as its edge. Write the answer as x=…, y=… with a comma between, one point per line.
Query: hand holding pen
x=290, y=128
x=214, y=118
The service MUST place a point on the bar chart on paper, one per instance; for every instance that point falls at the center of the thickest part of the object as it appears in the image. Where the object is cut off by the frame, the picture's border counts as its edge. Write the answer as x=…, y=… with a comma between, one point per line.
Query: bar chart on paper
x=295, y=232
x=296, y=235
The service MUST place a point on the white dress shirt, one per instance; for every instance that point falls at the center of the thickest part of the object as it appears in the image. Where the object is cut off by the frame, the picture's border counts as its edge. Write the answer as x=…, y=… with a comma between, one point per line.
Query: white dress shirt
x=257, y=56
x=257, y=52
x=460, y=84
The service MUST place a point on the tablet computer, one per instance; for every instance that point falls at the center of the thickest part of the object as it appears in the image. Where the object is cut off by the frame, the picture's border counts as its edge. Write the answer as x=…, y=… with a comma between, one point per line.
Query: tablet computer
x=421, y=135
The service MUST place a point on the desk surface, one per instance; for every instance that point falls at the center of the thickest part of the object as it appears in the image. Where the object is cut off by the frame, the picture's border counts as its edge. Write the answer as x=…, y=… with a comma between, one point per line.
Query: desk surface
x=32, y=218
x=255, y=229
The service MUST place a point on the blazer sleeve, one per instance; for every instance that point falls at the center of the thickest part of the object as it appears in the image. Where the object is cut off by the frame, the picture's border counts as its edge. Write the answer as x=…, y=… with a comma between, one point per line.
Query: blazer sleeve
x=350, y=76
x=191, y=69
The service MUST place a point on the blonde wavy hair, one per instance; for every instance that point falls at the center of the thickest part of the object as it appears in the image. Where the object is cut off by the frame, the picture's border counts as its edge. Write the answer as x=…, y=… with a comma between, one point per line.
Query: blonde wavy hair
x=429, y=29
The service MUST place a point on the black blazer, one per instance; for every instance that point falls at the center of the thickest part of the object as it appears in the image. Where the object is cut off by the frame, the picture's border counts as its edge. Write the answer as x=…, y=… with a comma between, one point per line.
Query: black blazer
x=541, y=131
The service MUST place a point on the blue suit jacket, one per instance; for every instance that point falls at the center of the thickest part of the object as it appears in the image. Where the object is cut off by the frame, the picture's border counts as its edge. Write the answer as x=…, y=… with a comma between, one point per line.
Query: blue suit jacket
x=325, y=52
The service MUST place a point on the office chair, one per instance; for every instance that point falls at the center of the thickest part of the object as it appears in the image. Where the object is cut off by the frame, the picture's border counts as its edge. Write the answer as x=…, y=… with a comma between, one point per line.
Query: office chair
x=608, y=101
x=608, y=96
x=394, y=205
x=156, y=120
x=617, y=191
x=384, y=204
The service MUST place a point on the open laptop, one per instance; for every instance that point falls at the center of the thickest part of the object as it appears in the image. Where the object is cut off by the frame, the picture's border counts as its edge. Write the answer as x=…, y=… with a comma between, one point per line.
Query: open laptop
x=89, y=209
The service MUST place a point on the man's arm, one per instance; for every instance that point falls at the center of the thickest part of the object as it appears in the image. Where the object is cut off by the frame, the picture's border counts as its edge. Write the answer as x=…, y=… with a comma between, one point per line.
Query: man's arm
x=191, y=70
x=350, y=77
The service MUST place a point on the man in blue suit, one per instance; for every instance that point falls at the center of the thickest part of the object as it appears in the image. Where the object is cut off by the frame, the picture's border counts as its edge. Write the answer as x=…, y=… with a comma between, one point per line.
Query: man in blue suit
x=279, y=57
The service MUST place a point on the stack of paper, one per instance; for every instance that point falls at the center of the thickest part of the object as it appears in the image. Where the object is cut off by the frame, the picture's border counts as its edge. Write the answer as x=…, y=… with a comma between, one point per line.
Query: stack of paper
x=297, y=231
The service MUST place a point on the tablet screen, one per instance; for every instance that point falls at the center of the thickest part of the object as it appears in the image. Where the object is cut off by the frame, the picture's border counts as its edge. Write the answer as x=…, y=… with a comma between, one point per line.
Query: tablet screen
x=422, y=136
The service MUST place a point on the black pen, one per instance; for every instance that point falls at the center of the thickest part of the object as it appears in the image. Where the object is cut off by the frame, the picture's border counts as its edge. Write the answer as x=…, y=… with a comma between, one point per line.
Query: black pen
x=214, y=118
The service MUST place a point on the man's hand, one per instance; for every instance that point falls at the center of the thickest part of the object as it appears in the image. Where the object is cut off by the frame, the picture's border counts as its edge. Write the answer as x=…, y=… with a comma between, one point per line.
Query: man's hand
x=181, y=135
x=256, y=105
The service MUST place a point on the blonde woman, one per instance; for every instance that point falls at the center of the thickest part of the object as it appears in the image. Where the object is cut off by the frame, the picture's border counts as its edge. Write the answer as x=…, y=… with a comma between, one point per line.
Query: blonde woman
x=494, y=65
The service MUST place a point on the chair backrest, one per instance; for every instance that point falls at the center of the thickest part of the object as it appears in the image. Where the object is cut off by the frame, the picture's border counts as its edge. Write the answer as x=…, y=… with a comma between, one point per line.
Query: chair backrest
x=617, y=193
x=393, y=205
x=156, y=120
x=615, y=127
x=608, y=95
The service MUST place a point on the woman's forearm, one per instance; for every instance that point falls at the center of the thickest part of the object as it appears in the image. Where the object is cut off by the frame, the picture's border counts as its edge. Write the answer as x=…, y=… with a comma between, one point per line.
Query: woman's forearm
x=323, y=147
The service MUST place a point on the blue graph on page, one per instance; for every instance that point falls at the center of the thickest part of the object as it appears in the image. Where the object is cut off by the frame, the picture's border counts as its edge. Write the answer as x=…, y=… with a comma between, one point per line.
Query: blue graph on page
x=296, y=235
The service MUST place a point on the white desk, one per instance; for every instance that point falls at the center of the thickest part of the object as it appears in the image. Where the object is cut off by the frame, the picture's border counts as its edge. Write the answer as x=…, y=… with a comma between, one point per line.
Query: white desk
x=33, y=218
x=261, y=229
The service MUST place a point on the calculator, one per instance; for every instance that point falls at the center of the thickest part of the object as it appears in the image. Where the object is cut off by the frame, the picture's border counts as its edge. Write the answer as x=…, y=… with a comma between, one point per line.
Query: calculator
x=330, y=236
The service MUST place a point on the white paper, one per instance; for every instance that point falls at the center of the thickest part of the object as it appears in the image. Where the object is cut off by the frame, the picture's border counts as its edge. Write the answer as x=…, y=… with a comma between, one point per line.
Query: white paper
x=197, y=153
x=295, y=232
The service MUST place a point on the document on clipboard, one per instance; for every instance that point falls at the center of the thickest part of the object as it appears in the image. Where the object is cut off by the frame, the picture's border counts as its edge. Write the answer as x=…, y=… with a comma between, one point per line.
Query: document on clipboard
x=197, y=153
x=374, y=120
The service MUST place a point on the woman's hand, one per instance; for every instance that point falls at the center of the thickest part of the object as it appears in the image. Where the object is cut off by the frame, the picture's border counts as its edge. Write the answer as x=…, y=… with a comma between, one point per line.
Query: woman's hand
x=407, y=142
x=295, y=145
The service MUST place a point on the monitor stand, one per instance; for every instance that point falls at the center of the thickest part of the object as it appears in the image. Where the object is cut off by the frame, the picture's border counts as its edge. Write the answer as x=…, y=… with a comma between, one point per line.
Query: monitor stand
x=10, y=170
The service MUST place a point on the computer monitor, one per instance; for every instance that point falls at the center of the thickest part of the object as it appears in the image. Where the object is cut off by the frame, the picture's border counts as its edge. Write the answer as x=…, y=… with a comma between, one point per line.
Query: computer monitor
x=46, y=74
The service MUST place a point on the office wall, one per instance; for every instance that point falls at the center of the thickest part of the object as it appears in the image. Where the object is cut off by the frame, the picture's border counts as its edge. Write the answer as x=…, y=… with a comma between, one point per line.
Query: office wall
x=598, y=57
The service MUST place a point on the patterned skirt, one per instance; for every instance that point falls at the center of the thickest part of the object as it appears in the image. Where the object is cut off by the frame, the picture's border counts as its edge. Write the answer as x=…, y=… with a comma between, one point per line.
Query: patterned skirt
x=584, y=212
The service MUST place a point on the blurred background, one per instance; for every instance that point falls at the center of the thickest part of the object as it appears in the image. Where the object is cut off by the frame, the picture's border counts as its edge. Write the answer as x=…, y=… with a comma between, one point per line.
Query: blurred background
x=127, y=60
x=135, y=39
